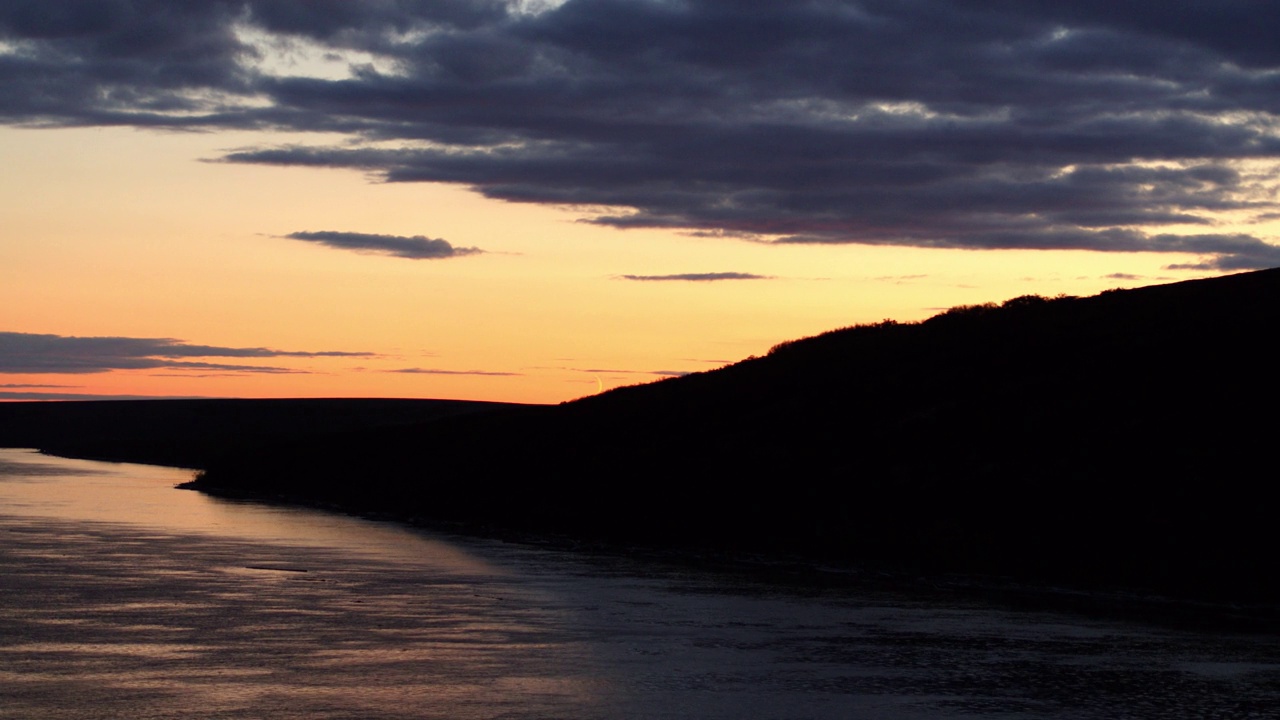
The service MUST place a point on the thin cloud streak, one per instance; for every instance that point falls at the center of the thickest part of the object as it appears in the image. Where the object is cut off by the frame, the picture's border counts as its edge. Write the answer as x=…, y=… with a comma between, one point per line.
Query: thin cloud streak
x=416, y=247
x=622, y=371
x=939, y=123
x=20, y=396
x=28, y=353
x=434, y=371
x=696, y=277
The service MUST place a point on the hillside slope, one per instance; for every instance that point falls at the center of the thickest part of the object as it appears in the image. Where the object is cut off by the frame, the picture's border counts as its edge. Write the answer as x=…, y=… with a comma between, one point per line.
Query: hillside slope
x=1123, y=439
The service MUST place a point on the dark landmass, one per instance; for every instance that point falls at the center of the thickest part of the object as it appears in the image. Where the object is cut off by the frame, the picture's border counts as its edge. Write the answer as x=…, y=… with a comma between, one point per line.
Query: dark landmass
x=1118, y=441
x=195, y=433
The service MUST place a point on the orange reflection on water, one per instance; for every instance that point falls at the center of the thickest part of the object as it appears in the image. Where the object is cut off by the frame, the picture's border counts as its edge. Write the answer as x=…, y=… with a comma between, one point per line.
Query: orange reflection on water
x=35, y=485
x=127, y=598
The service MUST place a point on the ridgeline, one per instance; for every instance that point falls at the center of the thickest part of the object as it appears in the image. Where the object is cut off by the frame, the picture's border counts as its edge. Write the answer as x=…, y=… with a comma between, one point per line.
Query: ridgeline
x=1123, y=441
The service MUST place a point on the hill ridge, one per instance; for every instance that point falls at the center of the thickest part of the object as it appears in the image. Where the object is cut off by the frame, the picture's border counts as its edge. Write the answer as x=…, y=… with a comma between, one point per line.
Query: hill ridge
x=1117, y=440
x=1108, y=440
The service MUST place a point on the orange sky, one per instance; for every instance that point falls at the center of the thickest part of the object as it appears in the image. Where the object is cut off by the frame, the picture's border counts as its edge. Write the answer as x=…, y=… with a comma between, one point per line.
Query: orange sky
x=776, y=190
x=120, y=232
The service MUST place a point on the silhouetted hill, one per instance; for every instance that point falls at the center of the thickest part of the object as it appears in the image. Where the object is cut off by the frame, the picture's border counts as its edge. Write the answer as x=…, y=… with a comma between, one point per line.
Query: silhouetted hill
x=1118, y=440
x=1123, y=439
x=192, y=433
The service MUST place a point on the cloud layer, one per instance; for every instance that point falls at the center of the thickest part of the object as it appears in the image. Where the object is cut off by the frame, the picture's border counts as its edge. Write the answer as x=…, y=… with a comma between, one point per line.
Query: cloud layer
x=696, y=277
x=28, y=353
x=980, y=124
x=5, y=395
x=417, y=247
x=435, y=371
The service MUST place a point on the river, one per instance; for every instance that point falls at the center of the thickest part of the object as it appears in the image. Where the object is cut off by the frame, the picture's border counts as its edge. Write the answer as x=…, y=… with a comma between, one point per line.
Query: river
x=121, y=596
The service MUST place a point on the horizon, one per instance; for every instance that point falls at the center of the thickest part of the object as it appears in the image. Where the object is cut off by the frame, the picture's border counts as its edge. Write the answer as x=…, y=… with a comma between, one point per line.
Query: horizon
x=537, y=201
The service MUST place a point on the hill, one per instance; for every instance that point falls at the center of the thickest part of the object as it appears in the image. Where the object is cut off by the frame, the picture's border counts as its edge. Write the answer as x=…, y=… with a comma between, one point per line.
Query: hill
x=1122, y=440
x=1118, y=440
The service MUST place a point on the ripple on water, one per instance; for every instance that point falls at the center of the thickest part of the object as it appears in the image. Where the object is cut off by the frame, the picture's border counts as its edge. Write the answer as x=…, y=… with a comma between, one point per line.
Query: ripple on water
x=227, y=611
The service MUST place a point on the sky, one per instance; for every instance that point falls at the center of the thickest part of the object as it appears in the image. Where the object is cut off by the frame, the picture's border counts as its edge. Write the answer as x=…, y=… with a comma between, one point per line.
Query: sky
x=536, y=200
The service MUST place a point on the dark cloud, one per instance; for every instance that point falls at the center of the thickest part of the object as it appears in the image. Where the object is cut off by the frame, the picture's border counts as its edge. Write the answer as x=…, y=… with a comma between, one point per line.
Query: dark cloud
x=433, y=371
x=623, y=371
x=27, y=353
x=1222, y=263
x=977, y=124
x=5, y=395
x=417, y=247
x=696, y=277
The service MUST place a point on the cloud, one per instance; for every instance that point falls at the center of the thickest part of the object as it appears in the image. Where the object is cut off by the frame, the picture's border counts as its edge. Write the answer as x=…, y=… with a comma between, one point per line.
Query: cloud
x=417, y=247
x=697, y=277
x=7, y=395
x=433, y=371
x=27, y=353
x=627, y=371
x=936, y=123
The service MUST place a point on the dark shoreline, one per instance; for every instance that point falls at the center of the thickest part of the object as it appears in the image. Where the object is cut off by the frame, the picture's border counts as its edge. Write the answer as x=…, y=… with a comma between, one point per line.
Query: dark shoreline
x=193, y=434
x=800, y=572
x=1056, y=441
x=1107, y=442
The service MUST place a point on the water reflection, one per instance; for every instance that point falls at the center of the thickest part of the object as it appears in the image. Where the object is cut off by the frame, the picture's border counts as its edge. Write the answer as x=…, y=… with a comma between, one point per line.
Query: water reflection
x=125, y=598
x=35, y=485
x=104, y=621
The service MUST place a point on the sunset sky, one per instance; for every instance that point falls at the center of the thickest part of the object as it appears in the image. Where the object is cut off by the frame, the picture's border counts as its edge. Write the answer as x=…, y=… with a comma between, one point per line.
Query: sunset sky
x=531, y=201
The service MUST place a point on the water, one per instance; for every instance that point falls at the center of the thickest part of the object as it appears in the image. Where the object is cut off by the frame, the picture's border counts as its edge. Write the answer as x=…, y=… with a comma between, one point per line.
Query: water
x=122, y=597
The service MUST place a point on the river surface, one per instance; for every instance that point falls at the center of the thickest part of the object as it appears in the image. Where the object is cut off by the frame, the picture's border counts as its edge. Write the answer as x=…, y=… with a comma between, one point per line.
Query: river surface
x=123, y=597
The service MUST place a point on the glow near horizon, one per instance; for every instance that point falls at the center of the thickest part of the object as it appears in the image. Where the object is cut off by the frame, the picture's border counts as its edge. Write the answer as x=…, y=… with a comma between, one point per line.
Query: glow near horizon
x=117, y=232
